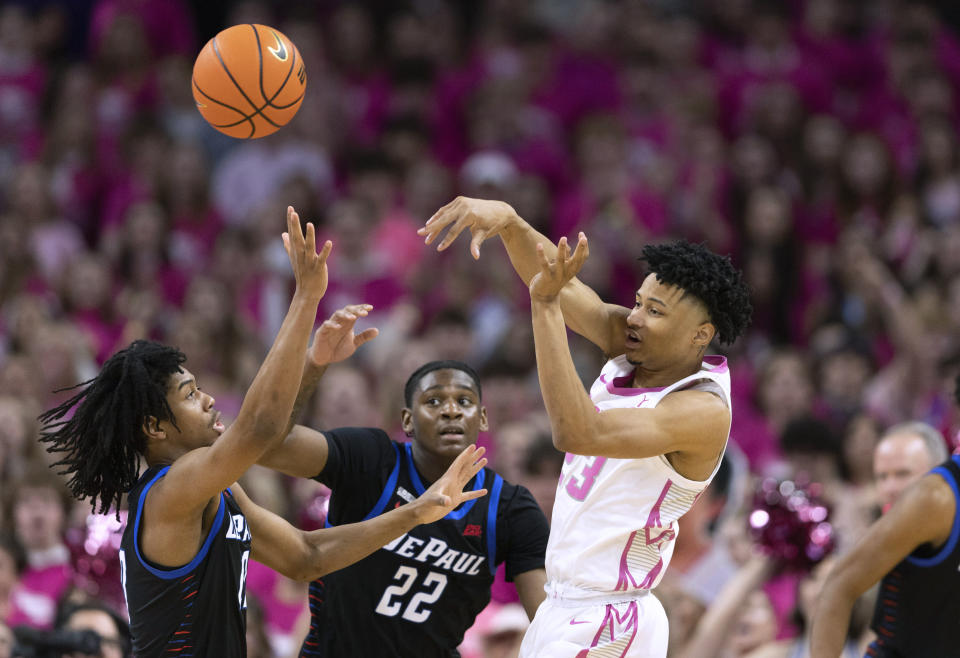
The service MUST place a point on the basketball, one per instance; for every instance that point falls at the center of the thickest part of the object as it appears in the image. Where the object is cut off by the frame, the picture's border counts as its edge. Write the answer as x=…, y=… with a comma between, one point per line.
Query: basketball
x=248, y=81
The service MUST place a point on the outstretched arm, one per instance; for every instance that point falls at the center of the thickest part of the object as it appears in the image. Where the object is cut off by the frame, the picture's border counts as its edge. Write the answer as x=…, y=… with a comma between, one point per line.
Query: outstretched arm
x=583, y=311
x=310, y=555
x=303, y=451
x=202, y=473
x=924, y=514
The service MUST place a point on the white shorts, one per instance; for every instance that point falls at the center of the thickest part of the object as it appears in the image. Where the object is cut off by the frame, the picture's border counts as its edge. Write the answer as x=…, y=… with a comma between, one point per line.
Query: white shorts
x=636, y=628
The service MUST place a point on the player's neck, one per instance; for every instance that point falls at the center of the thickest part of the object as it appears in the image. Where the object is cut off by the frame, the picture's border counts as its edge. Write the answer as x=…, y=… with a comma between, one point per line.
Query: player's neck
x=649, y=378
x=430, y=467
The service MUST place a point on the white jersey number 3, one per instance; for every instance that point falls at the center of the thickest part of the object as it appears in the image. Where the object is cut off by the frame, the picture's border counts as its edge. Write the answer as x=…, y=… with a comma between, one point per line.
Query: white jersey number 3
x=417, y=610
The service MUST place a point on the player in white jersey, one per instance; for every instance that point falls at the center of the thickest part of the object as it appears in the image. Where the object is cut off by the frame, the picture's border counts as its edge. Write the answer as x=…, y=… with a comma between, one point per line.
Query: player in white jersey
x=641, y=446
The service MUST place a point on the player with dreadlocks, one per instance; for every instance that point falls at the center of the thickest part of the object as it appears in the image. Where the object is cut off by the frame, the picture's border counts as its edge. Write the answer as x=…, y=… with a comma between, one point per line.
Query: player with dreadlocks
x=191, y=528
x=645, y=441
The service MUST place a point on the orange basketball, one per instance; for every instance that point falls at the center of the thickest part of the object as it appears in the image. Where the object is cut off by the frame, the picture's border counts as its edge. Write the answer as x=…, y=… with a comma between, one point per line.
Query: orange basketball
x=248, y=81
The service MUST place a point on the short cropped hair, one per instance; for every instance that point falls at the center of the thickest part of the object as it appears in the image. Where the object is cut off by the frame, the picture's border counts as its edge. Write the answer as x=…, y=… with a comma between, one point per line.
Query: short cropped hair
x=447, y=364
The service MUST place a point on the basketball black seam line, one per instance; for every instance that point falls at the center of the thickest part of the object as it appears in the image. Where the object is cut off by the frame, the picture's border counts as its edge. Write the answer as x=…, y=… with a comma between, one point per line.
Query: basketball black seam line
x=216, y=49
x=214, y=100
x=253, y=126
x=259, y=111
x=283, y=84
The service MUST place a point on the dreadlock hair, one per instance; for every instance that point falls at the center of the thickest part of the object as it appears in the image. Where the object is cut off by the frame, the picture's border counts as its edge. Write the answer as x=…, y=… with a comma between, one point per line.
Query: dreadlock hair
x=104, y=439
x=447, y=364
x=707, y=276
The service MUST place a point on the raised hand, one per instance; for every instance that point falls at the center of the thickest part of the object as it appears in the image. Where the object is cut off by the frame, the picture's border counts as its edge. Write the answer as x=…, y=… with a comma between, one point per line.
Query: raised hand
x=335, y=340
x=554, y=275
x=309, y=267
x=447, y=492
x=484, y=218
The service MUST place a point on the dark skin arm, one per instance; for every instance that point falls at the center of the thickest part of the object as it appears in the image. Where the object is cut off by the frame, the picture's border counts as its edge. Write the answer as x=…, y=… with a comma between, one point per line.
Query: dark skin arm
x=530, y=589
x=181, y=506
x=303, y=451
x=924, y=514
x=306, y=556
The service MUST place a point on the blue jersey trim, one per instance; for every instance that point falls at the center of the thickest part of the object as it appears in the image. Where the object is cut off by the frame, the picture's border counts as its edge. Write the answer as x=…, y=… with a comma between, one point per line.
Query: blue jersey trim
x=954, y=533
x=456, y=514
x=170, y=574
x=492, y=507
x=385, y=495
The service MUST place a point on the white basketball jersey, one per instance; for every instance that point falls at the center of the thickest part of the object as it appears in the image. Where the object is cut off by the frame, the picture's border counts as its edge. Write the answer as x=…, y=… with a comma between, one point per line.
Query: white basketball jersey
x=615, y=520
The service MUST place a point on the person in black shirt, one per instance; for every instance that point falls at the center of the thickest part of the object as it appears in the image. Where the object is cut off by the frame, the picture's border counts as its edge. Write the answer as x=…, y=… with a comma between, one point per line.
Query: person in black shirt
x=191, y=528
x=418, y=594
x=914, y=551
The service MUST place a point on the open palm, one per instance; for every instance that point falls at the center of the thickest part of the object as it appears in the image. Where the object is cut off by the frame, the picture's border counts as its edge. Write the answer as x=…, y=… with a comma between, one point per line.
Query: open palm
x=336, y=340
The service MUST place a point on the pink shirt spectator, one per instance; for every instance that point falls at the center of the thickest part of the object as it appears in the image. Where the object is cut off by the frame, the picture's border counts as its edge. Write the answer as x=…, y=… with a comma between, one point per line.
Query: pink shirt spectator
x=46, y=578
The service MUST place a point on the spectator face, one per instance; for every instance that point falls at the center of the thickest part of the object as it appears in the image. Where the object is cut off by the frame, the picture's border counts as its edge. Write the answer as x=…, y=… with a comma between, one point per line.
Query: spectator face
x=898, y=461
x=111, y=644
x=866, y=165
x=13, y=431
x=823, y=141
x=446, y=415
x=756, y=625
x=38, y=517
x=344, y=399
x=785, y=387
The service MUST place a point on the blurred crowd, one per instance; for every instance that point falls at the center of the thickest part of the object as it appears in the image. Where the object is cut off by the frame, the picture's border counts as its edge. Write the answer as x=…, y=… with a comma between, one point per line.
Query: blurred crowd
x=813, y=140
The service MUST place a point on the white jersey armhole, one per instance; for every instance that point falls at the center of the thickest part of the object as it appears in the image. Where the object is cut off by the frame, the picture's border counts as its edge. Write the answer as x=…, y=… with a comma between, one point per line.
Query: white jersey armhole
x=707, y=385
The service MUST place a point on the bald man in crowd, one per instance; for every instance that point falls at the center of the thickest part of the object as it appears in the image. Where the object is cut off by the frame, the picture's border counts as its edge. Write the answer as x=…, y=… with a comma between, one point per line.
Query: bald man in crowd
x=905, y=452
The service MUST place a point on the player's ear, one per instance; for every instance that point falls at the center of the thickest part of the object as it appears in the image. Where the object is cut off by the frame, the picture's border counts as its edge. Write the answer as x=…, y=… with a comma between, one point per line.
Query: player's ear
x=483, y=419
x=406, y=421
x=151, y=429
x=704, y=334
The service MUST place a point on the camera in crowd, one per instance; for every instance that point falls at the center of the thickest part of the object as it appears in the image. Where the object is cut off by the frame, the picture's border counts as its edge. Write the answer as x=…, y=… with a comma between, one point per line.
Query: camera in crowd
x=88, y=629
x=35, y=643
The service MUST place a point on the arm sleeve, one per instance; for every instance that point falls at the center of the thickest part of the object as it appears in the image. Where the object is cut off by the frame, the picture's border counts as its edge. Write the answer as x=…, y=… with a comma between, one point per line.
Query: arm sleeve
x=352, y=451
x=525, y=532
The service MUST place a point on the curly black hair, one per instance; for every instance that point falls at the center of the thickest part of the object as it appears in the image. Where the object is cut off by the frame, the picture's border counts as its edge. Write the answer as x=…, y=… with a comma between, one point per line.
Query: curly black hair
x=707, y=276
x=103, y=439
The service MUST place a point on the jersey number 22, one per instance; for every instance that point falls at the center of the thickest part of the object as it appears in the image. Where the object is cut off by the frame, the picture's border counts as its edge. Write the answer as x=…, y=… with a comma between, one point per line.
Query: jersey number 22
x=417, y=610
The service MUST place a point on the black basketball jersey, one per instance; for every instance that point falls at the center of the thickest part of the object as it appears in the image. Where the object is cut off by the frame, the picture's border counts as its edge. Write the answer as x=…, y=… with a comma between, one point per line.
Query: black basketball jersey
x=416, y=596
x=198, y=609
x=918, y=606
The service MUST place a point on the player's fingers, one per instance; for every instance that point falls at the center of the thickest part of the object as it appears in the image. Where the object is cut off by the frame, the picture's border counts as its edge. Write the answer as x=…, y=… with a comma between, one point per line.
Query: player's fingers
x=473, y=495
x=310, y=242
x=325, y=252
x=466, y=458
x=285, y=237
x=455, y=230
x=293, y=227
x=360, y=310
x=580, y=253
x=478, y=237
x=438, y=222
x=366, y=336
x=542, y=258
x=563, y=250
